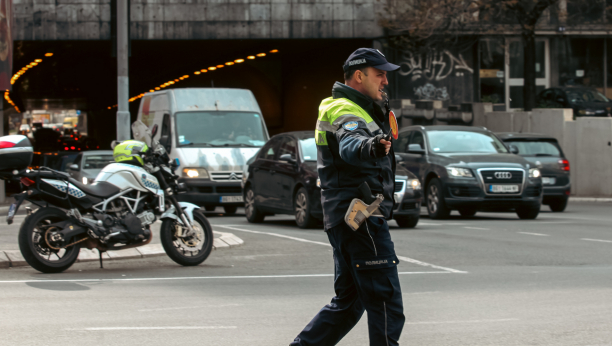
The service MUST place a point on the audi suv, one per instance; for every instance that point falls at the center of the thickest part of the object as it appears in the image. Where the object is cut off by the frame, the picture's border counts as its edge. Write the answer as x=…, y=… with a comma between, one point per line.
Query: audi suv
x=469, y=169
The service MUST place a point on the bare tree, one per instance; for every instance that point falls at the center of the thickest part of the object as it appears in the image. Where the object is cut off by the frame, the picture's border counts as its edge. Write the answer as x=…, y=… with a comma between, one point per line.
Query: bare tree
x=415, y=25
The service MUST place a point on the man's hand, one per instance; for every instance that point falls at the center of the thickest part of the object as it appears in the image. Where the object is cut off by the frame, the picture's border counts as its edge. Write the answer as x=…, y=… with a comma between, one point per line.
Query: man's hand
x=380, y=146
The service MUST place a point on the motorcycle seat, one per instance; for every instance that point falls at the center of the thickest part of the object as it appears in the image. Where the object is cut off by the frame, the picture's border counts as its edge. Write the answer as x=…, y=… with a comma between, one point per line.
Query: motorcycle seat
x=101, y=189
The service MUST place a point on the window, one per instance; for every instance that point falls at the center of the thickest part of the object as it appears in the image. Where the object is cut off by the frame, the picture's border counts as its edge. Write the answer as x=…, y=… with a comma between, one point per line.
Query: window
x=288, y=146
x=97, y=161
x=417, y=138
x=268, y=151
x=77, y=160
x=220, y=129
x=401, y=144
x=464, y=142
x=537, y=148
x=309, y=149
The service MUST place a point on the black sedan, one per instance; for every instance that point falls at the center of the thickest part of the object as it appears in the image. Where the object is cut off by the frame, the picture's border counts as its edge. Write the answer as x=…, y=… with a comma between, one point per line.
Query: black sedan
x=545, y=153
x=468, y=169
x=584, y=101
x=283, y=179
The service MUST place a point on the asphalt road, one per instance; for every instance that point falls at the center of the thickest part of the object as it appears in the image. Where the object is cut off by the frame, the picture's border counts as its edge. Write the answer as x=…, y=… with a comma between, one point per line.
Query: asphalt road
x=488, y=280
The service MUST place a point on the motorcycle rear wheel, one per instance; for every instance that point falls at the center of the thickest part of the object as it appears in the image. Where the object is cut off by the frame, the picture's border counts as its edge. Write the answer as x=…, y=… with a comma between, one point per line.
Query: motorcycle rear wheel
x=36, y=251
x=178, y=248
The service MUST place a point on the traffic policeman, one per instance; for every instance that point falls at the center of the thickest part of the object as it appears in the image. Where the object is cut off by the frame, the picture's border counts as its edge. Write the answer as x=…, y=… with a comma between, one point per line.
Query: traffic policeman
x=353, y=148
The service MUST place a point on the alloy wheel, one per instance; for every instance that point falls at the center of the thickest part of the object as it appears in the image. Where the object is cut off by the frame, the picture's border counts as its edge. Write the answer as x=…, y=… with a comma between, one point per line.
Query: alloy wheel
x=432, y=199
x=300, y=208
x=249, y=203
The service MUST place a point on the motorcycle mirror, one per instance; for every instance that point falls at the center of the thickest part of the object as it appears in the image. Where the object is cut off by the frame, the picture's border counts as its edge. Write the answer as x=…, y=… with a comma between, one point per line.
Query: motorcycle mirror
x=114, y=144
x=154, y=131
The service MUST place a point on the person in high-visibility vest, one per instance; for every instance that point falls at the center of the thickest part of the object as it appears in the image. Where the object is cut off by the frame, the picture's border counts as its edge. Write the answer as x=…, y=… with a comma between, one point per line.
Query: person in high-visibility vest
x=353, y=148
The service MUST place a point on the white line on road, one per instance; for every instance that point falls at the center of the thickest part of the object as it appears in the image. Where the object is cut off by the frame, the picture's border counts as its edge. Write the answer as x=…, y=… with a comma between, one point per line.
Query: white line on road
x=153, y=328
x=482, y=229
x=597, y=240
x=190, y=307
x=429, y=224
x=407, y=259
x=199, y=278
x=536, y=234
x=469, y=321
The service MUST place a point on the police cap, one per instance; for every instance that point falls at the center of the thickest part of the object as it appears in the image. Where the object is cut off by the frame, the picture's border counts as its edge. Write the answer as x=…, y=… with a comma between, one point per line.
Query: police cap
x=366, y=57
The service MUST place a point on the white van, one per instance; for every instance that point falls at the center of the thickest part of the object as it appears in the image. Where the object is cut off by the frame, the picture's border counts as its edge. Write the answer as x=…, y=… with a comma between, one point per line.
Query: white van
x=212, y=132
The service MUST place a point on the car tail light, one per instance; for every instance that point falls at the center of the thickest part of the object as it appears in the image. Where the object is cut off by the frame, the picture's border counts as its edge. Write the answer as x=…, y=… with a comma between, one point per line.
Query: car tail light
x=27, y=181
x=5, y=144
x=564, y=165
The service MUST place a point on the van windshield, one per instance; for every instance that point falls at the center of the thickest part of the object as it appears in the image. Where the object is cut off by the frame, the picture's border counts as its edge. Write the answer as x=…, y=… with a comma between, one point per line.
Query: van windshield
x=220, y=129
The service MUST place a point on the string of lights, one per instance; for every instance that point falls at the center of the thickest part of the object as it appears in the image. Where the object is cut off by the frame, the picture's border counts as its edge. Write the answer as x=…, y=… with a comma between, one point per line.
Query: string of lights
x=18, y=75
x=199, y=72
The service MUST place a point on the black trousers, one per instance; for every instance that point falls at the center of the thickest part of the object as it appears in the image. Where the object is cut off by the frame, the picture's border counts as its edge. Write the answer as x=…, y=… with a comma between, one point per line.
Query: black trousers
x=365, y=279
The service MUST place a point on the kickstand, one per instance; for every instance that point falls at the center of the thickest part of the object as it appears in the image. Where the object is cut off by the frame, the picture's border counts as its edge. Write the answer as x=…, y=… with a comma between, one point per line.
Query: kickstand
x=101, y=265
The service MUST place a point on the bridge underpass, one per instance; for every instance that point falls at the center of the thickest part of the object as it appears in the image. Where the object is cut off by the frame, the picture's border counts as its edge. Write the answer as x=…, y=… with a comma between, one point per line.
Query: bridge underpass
x=288, y=84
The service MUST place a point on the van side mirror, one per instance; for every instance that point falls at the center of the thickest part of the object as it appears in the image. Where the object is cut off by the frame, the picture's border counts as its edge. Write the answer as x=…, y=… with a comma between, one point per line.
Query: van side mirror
x=287, y=157
x=165, y=142
x=514, y=149
x=154, y=130
x=74, y=167
x=415, y=149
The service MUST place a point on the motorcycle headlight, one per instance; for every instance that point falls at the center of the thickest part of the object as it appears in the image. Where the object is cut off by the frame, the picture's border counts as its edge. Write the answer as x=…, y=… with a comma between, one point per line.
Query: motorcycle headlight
x=415, y=184
x=459, y=172
x=84, y=180
x=534, y=173
x=195, y=173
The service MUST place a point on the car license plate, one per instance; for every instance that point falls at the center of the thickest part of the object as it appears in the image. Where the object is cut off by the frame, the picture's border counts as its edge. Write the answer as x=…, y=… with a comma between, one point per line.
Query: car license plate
x=503, y=188
x=11, y=211
x=549, y=180
x=231, y=199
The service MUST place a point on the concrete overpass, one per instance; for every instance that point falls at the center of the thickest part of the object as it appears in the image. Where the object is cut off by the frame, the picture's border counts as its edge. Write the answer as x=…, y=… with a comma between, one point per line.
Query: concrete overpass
x=172, y=38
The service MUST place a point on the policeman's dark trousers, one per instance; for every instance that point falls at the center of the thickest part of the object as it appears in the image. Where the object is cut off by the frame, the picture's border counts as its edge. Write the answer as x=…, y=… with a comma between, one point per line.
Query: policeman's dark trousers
x=365, y=279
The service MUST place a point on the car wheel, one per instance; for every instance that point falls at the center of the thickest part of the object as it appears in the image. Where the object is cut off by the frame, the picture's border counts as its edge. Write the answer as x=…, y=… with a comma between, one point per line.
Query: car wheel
x=230, y=209
x=435, y=200
x=527, y=213
x=407, y=221
x=467, y=212
x=558, y=205
x=253, y=215
x=301, y=205
x=210, y=208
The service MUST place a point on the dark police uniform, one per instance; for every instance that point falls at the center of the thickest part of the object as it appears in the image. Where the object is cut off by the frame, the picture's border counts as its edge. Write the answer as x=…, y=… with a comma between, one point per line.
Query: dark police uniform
x=365, y=262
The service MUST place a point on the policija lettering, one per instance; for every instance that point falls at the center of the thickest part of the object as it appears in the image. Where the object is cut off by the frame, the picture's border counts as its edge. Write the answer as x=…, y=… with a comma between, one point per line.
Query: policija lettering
x=433, y=66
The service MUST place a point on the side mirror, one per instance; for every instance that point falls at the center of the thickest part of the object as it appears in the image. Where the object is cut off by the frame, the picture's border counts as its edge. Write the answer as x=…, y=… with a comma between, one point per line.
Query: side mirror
x=514, y=149
x=560, y=100
x=287, y=157
x=74, y=167
x=398, y=158
x=165, y=141
x=415, y=149
x=154, y=130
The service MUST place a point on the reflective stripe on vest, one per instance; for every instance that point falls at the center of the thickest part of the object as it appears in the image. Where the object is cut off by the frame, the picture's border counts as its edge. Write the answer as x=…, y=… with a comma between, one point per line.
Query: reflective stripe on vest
x=334, y=112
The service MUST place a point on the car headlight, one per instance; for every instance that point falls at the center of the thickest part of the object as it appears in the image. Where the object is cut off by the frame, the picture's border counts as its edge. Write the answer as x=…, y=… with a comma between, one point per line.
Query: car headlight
x=586, y=112
x=459, y=172
x=534, y=173
x=195, y=173
x=318, y=182
x=415, y=184
x=84, y=180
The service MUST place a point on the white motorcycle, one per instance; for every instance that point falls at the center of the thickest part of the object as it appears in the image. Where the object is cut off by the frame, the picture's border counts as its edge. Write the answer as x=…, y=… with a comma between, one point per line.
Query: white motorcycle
x=113, y=213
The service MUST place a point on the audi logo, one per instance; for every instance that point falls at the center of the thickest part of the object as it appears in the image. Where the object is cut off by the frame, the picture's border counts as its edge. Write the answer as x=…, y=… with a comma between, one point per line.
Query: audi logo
x=503, y=175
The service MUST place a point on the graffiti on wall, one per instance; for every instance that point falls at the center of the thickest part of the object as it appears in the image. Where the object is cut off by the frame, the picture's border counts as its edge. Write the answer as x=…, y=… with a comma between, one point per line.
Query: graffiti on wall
x=433, y=66
x=430, y=92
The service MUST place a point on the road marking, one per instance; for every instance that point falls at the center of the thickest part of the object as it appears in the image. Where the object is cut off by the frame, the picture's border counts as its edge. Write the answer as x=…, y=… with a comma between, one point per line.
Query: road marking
x=548, y=222
x=597, y=240
x=468, y=321
x=153, y=328
x=190, y=307
x=537, y=234
x=482, y=229
x=198, y=278
x=407, y=259
x=429, y=224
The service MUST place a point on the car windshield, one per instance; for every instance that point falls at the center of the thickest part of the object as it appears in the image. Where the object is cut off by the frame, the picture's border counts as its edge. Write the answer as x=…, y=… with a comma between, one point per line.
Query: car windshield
x=585, y=95
x=309, y=149
x=97, y=161
x=220, y=129
x=464, y=142
x=536, y=148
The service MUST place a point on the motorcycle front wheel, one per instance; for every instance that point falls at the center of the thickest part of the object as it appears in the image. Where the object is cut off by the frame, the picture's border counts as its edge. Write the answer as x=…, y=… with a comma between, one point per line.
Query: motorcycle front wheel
x=38, y=247
x=186, y=251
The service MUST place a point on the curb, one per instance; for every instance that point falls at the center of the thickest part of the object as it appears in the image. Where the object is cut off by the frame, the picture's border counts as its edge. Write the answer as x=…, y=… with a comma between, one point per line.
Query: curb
x=13, y=258
x=590, y=199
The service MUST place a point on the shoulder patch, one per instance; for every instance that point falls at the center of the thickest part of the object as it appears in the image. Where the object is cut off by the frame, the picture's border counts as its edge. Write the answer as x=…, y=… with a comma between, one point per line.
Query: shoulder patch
x=350, y=125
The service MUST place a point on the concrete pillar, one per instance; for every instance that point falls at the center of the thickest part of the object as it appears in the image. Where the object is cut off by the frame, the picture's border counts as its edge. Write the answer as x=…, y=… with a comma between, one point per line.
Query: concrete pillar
x=123, y=113
x=479, y=109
